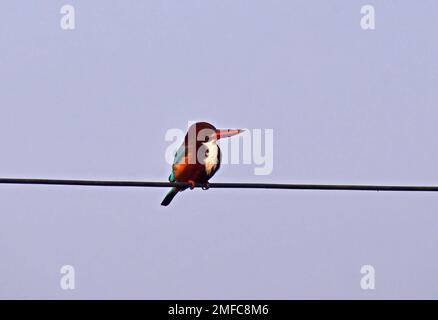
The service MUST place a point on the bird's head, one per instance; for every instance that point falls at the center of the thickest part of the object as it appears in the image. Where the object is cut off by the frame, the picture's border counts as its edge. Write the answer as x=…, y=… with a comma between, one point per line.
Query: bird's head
x=203, y=132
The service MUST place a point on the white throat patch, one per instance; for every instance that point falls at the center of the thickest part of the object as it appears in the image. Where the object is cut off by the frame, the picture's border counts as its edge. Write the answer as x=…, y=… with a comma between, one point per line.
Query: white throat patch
x=212, y=156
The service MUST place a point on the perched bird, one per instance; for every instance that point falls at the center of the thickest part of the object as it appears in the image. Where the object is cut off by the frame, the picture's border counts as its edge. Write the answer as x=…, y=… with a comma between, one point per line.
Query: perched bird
x=198, y=158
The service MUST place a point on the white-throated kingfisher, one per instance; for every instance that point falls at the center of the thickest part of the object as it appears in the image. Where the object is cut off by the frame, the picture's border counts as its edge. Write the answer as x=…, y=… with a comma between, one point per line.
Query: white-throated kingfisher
x=198, y=158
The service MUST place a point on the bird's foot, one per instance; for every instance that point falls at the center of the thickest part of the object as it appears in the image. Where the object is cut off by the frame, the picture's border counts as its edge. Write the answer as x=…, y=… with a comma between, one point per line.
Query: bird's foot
x=206, y=186
x=192, y=184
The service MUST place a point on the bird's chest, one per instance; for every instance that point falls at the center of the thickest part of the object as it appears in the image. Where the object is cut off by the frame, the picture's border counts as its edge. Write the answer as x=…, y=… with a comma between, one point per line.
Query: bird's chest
x=212, y=155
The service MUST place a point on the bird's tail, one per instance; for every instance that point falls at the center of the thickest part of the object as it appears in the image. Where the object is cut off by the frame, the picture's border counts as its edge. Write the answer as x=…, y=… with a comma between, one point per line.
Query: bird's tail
x=169, y=196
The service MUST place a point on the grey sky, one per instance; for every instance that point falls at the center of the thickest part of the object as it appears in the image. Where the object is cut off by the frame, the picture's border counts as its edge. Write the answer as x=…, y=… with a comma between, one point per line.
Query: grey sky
x=346, y=106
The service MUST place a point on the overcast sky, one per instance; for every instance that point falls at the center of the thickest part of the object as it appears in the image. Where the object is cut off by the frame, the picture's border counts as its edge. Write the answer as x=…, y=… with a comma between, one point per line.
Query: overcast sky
x=346, y=106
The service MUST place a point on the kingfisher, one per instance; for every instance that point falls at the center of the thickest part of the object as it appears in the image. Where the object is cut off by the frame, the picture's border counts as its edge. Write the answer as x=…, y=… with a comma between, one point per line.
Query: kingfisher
x=198, y=158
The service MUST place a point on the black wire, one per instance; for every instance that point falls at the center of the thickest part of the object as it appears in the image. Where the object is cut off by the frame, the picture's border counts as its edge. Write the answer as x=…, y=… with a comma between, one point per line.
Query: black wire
x=107, y=183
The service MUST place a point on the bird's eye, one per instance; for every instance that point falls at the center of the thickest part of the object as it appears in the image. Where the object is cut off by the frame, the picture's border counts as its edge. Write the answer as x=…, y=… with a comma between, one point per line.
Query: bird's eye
x=206, y=153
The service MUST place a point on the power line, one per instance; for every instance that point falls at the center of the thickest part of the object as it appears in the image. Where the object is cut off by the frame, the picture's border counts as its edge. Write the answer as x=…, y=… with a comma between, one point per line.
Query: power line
x=151, y=184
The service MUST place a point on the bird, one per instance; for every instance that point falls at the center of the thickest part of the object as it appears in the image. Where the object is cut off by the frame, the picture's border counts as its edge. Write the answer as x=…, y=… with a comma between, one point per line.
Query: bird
x=198, y=158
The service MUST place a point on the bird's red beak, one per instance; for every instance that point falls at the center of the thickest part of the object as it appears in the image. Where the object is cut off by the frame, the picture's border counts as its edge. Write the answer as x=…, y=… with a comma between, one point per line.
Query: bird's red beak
x=226, y=133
